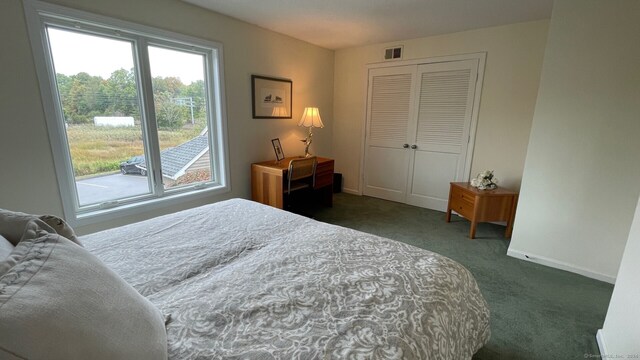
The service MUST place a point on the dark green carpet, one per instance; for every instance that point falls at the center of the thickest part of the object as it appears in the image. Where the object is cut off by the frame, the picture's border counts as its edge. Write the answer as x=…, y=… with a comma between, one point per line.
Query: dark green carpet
x=536, y=312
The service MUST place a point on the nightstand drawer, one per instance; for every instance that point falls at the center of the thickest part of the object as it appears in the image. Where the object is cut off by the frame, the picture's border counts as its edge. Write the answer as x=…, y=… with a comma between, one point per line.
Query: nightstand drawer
x=462, y=195
x=470, y=198
x=462, y=206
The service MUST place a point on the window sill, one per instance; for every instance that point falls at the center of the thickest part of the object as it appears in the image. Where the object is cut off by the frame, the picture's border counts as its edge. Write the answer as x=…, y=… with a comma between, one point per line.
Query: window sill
x=141, y=207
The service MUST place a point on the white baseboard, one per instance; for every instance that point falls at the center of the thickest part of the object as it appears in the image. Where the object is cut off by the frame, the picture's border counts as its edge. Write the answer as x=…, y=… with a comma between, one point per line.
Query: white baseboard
x=351, y=191
x=601, y=345
x=561, y=265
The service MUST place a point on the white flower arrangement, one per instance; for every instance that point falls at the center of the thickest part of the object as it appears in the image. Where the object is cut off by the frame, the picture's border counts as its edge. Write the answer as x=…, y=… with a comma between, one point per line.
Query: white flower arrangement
x=485, y=180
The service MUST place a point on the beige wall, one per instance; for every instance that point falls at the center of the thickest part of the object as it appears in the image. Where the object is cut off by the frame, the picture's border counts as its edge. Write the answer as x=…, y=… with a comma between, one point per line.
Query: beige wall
x=621, y=332
x=512, y=73
x=582, y=173
x=28, y=177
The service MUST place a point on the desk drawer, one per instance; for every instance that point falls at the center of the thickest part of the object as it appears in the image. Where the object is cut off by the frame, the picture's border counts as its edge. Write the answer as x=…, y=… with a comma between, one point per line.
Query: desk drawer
x=324, y=168
x=324, y=180
x=324, y=174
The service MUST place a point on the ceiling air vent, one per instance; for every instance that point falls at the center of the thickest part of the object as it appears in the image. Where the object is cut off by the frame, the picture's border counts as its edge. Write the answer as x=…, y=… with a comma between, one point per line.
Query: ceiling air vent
x=394, y=53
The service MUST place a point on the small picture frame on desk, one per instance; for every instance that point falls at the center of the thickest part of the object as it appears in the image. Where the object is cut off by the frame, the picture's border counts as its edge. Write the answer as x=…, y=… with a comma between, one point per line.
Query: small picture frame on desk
x=277, y=148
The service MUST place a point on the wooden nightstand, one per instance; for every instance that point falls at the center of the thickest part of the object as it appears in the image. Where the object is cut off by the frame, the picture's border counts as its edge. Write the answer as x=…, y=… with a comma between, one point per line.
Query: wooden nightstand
x=482, y=205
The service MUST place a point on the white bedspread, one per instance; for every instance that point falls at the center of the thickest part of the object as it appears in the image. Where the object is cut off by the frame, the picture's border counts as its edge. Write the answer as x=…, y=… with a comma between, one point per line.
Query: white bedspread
x=243, y=280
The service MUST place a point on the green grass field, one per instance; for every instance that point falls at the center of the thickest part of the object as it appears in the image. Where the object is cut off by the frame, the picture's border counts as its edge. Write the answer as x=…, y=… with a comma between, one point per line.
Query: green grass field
x=96, y=150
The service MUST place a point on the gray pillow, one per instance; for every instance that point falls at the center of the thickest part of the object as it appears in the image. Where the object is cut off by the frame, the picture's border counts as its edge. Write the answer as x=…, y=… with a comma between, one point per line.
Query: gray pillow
x=58, y=301
x=5, y=248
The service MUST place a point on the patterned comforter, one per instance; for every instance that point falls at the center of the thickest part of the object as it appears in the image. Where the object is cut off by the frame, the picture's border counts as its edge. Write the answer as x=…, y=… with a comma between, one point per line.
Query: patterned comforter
x=243, y=280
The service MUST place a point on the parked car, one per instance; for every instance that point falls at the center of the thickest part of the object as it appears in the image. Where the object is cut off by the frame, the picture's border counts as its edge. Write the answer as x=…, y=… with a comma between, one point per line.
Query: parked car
x=134, y=165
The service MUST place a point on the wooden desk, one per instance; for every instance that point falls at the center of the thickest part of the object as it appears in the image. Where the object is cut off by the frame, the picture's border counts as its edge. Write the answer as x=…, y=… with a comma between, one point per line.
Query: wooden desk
x=268, y=179
x=482, y=205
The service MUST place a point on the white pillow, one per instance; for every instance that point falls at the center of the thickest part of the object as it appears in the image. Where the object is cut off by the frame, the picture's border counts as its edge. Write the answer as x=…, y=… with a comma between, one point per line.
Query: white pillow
x=12, y=224
x=5, y=248
x=58, y=301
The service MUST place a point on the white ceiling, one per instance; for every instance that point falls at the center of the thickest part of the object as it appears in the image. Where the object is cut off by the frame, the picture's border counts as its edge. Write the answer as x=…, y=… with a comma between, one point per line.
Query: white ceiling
x=336, y=24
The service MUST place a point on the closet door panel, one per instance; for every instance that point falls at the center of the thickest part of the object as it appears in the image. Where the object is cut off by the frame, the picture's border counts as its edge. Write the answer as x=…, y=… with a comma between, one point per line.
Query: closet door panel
x=443, y=111
x=387, y=169
x=389, y=127
x=434, y=171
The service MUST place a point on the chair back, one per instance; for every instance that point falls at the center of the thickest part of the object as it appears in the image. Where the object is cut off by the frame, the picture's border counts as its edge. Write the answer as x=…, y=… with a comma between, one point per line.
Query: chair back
x=301, y=169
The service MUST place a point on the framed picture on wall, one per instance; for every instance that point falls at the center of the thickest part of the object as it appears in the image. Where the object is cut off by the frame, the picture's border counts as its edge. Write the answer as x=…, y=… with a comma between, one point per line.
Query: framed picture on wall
x=277, y=148
x=271, y=97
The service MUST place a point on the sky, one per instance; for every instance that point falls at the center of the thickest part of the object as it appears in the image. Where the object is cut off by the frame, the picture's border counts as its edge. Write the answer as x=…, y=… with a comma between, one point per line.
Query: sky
x=74, y=53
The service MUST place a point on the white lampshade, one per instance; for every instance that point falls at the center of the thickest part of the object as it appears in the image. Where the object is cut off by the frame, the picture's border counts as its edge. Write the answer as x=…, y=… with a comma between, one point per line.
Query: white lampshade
x=311, y=118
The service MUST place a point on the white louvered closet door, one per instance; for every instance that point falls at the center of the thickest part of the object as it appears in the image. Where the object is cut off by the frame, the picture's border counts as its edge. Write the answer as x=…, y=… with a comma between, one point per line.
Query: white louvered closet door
x=390, y=107
x=443, y=120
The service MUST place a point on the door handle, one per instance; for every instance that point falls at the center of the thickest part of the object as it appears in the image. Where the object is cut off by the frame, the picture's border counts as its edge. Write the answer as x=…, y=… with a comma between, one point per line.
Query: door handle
x=414, y=146
x=406, y=146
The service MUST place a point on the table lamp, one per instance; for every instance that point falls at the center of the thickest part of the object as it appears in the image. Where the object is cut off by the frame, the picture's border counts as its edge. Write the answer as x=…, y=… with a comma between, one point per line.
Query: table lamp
x=310, y=118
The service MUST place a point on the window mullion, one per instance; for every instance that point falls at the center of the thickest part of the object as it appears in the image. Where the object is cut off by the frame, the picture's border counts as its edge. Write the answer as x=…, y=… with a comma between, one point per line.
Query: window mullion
x=150, y=127
x=216, y=110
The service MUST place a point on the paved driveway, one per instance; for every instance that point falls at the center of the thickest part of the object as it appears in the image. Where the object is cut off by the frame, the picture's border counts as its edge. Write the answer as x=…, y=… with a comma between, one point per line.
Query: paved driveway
x=110, y=187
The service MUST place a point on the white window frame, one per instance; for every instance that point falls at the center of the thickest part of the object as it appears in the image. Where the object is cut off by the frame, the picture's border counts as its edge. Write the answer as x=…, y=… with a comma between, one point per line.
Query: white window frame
x=39, y=15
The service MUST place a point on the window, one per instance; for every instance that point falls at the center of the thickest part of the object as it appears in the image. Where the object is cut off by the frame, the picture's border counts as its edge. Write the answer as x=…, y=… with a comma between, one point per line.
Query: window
x=135, y=114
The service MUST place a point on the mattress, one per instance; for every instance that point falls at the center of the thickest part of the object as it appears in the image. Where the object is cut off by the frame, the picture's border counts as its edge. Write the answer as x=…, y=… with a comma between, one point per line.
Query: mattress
x=238, y=279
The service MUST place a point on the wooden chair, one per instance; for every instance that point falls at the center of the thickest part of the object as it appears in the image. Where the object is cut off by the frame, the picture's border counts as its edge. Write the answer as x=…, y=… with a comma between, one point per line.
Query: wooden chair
x=301, y=175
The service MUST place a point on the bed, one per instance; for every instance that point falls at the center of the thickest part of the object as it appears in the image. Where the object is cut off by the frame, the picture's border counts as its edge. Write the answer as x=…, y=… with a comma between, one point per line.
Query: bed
x=238, y=279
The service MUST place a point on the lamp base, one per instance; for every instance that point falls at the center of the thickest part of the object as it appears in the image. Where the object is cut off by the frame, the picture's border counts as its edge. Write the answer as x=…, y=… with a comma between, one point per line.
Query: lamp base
x=306, y=148
x=307, y=142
